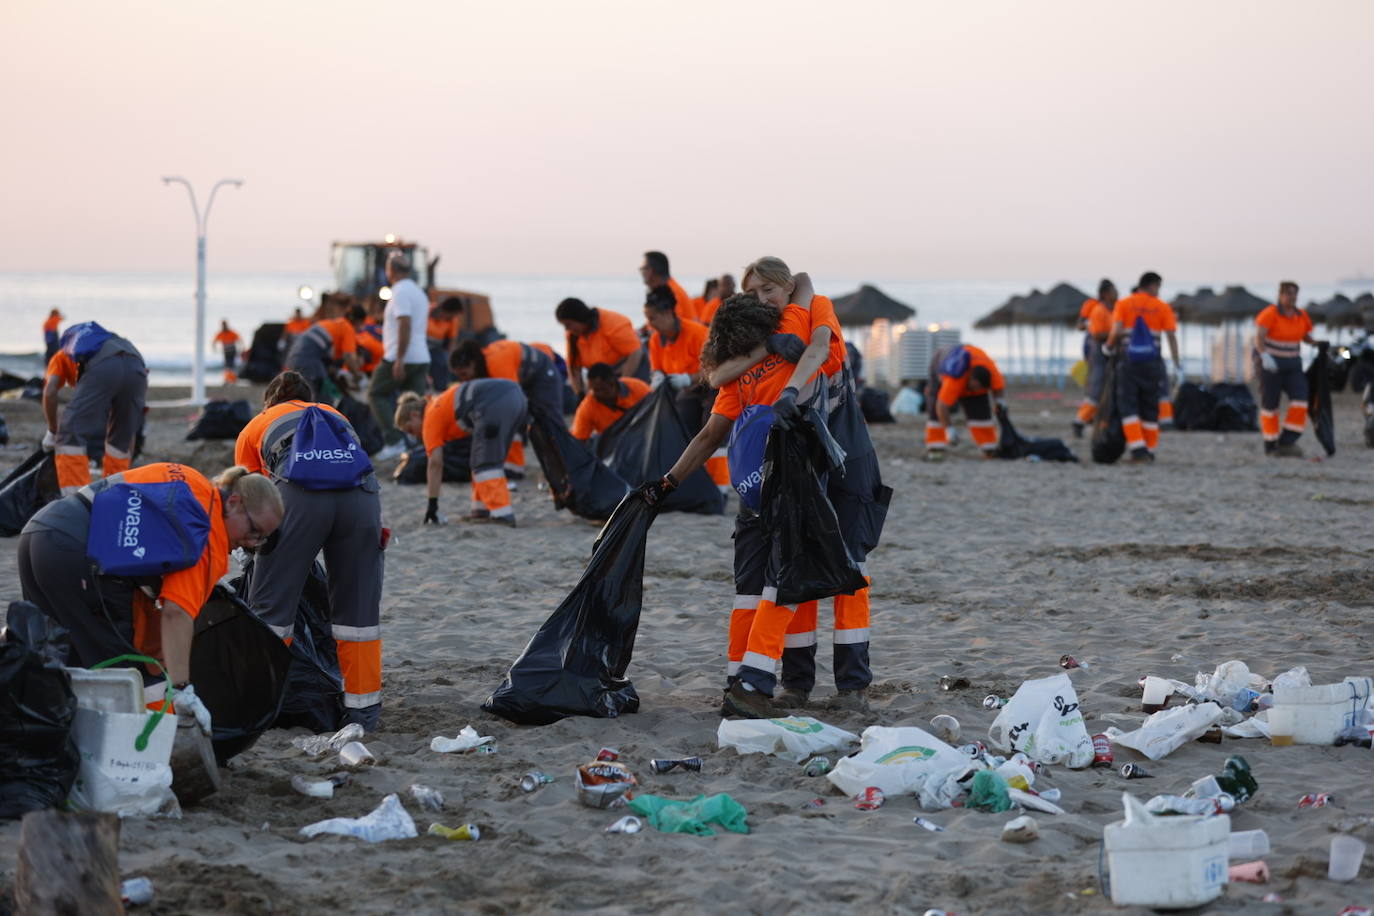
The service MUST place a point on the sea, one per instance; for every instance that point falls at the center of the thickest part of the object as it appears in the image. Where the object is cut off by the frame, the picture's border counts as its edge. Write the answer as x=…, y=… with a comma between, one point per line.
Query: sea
x=157, y=311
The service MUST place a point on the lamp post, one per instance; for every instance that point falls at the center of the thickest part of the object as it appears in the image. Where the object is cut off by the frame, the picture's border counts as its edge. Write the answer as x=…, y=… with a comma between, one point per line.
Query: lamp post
x=202, y=220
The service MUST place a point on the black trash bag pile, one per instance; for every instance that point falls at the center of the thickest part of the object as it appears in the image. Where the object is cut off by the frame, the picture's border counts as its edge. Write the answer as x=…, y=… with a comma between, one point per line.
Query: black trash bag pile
x=414, y=464
x=860, y=482
x=1015, y=445
x=1108, y=441
x=10, y=381
x=1319, y=401
x=577, y=481
x=807, y=557
x=575, y=664
x=38, y=758
x=221, y=419
x=4, y=432
x=239, y=667
x=263, y=361
x=26, y=489
x=1220, y=407
x=360, y=417
x=645, y=443
x=314, y=697
x=876, y=406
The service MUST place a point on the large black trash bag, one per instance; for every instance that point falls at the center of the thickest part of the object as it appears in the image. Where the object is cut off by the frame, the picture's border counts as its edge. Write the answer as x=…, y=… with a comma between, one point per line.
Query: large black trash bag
x=414, y=464
x=4, y=432
x=1220, y=407
x=314, y=697
x=1015, y=445
x=38, y=758
x=26, y=489
x=263, y=361
x=876, y=406
x=860, y=481
x=575, y=664
x=239, y=667
x=1319, y=400
x=646, y=442
x=359, y=416
x=578, y=482
x=1108, y=442
x=221, y=419
x=807, y=558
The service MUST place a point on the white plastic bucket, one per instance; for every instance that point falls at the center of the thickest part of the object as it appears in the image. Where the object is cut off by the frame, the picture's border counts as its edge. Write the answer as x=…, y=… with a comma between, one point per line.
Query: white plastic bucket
x=1323, y=712
x=108, y=690
x=1169, y=863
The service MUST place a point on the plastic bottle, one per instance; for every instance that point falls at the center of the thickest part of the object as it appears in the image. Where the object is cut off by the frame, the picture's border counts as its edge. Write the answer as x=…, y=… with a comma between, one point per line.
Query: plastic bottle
x=1236, y=780
x=816, y=766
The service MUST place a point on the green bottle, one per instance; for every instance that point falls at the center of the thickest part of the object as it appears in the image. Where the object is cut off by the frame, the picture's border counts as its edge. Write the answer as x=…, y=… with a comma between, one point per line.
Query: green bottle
x=1236, y=779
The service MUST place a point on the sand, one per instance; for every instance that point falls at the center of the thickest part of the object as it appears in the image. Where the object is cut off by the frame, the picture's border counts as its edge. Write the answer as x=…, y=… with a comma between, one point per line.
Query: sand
x=989, y=571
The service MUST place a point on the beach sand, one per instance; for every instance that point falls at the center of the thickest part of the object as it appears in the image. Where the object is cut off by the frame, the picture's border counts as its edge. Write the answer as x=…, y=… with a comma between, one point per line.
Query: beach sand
x=989, y=571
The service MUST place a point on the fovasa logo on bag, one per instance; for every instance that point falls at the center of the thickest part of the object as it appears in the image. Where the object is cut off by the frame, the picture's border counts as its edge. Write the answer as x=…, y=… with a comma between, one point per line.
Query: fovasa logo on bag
x=328, y=454
x=128, y=532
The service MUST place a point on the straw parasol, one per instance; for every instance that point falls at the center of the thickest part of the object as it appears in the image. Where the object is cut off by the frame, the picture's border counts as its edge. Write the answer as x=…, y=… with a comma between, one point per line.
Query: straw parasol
x=867, y=304
x=1235, y=303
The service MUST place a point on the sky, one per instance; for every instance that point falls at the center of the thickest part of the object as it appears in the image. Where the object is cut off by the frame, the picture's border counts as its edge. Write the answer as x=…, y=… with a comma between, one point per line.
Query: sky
x=907, y=139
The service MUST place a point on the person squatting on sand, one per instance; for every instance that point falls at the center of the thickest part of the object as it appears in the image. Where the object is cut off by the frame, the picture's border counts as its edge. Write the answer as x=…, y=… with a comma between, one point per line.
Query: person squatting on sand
x=599, y=336
x=1280, y=332
x=64, y=545
x=111, y=383
x=966, y=376
x=489, y=411
x=608, y=397
x=1140, y=320
x=531, y=366
x=332, y=503
x=1096, y=322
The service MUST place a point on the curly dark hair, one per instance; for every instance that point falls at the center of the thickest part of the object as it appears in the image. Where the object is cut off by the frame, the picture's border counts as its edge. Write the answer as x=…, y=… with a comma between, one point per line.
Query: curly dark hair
x=741, y=325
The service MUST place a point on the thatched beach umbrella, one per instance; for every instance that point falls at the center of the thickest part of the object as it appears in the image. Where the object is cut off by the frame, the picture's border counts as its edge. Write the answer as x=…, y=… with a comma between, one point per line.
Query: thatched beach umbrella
x=1339, y=311
x=1235, y=303
x=1060, y=306
x=867, y=305
x=1185, y=304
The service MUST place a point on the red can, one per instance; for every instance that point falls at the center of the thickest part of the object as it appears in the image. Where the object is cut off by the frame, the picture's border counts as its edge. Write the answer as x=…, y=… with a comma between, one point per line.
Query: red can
x=1320, y=800
x=608, y=753
x=870, y=799
x=1102, y=751
x=814, y=803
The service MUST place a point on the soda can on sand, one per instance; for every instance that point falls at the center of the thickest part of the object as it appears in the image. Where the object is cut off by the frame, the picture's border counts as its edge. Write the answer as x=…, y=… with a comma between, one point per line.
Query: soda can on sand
x=993, y=701
x=1320, y=800
x=464, y=832
x=627, y=824
x=816, y=766
x=1068, y=662
x=870, y=799
x=1102, y=751
x=534, y=779
x=1134, y=771
x=690, y=764
x=608, y=753
x=927, y=824
x=813, y=804
x=974, y=749
x=952, y=682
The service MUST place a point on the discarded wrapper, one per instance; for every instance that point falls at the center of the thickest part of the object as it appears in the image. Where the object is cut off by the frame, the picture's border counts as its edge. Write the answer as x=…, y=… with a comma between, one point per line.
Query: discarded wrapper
x=315, y=788
x=427, y=797
x=467, y=740
x=1022, y=829
x=136, y=891
x=1320, y=800
x=317, y=745
x=603, y=783
x=870, y=799
x=627, y=824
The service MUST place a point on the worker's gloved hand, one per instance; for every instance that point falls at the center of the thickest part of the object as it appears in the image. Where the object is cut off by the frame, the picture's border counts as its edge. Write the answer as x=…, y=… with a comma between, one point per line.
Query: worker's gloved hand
x=190, y=709
x=656, y=379
x=789, y=346
x=432, y=516
x=1268, y=363
x=655, y=491
x=999, y=406
x=1106, y=350
x=785, y=409
x=680, y=379
x=49, y=441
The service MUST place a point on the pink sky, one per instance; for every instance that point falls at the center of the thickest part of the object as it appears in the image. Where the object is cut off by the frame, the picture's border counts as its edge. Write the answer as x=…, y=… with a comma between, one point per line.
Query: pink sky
x=902, y=139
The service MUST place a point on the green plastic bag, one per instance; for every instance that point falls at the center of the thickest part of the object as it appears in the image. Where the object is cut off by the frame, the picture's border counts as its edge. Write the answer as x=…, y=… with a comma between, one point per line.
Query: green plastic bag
x=988, y=792
x=693, y=816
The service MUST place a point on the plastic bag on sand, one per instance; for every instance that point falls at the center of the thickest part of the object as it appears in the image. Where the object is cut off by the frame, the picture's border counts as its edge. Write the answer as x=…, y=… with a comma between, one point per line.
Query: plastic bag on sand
x=794, y=738
x=388, y=821
x=1293, y=677
x=692, y=816
x=988, y=792
x=467, y=740
x=896, y=760
x=1167, y=730
x=940, y=790
x=1226, y=682
x=1257, y=726
x=1043, y=720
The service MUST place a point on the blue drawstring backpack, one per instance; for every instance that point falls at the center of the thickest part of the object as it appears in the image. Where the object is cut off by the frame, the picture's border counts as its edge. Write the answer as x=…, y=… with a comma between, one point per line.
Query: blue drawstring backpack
x=324, y=453
x=146, y=529
x=956, y=363
x=1142, y=347
x=82, y=341
x=748, y=437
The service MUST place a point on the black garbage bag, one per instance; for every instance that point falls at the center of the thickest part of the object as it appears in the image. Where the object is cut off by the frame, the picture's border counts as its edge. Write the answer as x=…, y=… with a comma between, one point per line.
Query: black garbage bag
x=1319, y=400
x=876, y=406
x=38, y=758
x=26, y=489
x=221, y=419
x=314, y=697
x=808, y=559
x=1108, y=440
x=413, y=466
x=1220, y=407
x=1015, y=445
x=575, y=664
x=9, y=381
x=578, y=482
x=263, y=360
x=857, y=490
x=4, y=432
x=360, y=417
x=645, y=443
x=239, y=667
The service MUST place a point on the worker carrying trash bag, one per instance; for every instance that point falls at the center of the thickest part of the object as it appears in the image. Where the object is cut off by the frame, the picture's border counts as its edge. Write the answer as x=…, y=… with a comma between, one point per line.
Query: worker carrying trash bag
x=1138, y=323
x=966, y=376
x=333, y=505
x=1280, y=332
x=111, y=383
x=126, y=563
x=490, y=411
x=531, y=366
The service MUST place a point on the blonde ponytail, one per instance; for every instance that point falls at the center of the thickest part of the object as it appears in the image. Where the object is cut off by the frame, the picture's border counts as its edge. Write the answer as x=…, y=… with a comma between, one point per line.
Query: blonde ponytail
x=408, y=406
x=257, y=493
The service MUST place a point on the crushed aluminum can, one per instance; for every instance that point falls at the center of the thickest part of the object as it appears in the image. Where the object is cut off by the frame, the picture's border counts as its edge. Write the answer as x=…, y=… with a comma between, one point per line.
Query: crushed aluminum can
x=870, y=799
x=813, y=804
x=136, y=891
x=608, y=753
x=993, y=701
x=1068, y=662
x=1134, y=771
x=533, y=780
x=463, y=832
x=816, y=766
x=486, y=749
x=927, y=824
x=952, y=682
x=627, y=824
x=1102, y=751
x=1320, y=800
x=974, y=749
x=663, y=765
x=427, y=797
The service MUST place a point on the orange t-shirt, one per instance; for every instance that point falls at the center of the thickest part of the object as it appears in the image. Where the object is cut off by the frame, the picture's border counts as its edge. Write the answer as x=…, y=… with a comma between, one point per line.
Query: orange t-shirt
x=708, y=310
x=686, y=306
x=683, y=354
x=441, y=329
x=1159, y=317
x=1099, y=319
x=766, y=379
x=371, y=344
x=51, y=323
x=190, y=588
x=441, y=420
x=64, y=367
x=248, y=447
x=952, y=389
x=342, y=333
x=503, y=359
x=822, y=312
x=1284, y=328
x=227, y=338
x=594, y=417
x=297, y=326
x=1086, y=312
x=613, y=340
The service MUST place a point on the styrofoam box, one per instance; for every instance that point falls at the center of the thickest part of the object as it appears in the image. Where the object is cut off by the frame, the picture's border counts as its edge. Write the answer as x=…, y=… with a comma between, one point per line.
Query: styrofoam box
x=108, y=690
x=1173, y=863
x=1325, y=711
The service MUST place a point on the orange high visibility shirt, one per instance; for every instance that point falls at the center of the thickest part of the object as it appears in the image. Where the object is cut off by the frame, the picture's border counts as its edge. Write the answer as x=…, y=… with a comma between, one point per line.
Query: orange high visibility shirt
x=1086, y=311
x=1285, y=332
x=227, y=338
x=708, y=310
x=612, y=340
x=766, y=379
x=190, y=588
x=51, y=323
x=503, y=359
x=370, y=343
x=822, y=312
x=1159, y=317
x=248, y=447
x=952, y=389
x=686, y=305
x=297, y=326
x=64, y=367
x=441, y=329
x=595, y=417
x=683, y=354
x=1099, y=319
x=441, y=420
x=342, y=333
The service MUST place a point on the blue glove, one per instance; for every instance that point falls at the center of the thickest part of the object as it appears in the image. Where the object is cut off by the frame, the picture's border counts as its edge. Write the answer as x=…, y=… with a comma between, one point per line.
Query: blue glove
x=789, y=346
x=785, y=409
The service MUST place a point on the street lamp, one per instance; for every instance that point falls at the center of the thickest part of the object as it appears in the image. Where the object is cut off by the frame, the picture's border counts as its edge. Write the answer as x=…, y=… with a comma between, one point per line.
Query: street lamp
x=202, y=219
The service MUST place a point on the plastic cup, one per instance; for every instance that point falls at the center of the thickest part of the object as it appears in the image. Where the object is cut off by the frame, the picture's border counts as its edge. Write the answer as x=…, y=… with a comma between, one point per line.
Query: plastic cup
x=1156, y=694
x=1247, y=844
x=1346, y=855
x=1283, y=721
x=1206, y=787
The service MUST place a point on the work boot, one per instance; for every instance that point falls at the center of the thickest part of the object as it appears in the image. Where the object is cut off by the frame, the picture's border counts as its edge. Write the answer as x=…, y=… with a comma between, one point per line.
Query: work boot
x=747, y=703
x=1141, y=456
x=1077, y=429
x=850, y=700
x=479, y=515
x=1271, y=449
x=1289, y=450
x=792, y=698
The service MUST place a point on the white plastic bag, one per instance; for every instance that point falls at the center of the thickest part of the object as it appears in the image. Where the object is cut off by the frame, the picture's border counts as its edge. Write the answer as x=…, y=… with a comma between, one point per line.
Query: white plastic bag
x=467, y=740
x=907, y=404
x=1043, y=719
x=1168, y=730
x=388, y=821
x=1228, y=680
x=115, y=776
x=794, y=738
x=1293, y=677
x=896, y=760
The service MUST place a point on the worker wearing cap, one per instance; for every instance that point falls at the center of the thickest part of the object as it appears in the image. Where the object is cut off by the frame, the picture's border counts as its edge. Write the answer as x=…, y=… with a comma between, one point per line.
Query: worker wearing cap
x=1096, y=322
x=328, y=343
x=50, y=326
x=608, y=398
x=343, y=521
x=966, y=376
x=111, y=383
x=1138, y=323
x=1280, y=331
